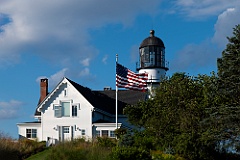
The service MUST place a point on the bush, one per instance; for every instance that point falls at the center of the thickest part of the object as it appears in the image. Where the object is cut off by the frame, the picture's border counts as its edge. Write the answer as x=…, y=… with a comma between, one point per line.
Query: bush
x=159, y=155
x=126, y=140
x=29, y=147
x=129, y=153
x=12, y=149
x=79, y=149
x=106, y=142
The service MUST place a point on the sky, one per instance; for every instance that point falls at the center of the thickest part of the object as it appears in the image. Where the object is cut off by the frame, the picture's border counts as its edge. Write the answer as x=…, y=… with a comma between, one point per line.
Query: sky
x=79, y=39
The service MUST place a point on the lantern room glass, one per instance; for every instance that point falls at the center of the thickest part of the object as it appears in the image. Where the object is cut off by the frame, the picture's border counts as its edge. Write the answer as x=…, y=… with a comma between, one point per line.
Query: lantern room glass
x=152, y=56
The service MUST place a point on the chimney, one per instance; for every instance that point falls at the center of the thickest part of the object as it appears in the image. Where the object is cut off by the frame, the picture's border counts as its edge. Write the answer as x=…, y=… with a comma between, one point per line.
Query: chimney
x=43, y=88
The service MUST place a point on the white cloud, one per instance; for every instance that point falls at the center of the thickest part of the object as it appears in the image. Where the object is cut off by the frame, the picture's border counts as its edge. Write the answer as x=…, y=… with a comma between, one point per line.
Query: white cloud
x=60, y=28
x=224, y=26
x=85, y=72
x=195, y=57
x=104, y=59
x=85, y=62
x=54, y=79
x=203, y=8
x=10, y=109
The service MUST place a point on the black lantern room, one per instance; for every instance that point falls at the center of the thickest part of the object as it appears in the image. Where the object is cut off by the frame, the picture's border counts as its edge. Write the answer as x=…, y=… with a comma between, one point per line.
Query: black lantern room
x=152, y=53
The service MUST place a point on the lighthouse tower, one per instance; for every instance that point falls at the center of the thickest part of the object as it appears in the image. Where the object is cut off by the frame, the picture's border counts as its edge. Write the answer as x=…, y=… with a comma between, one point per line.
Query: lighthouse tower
x=152, y=60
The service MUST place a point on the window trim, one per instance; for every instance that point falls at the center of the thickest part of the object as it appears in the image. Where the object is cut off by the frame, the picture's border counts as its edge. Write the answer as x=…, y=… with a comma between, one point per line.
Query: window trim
x=55, y=110
x=111, y=134
x=59, y=106
x=31, y=133
x=74, y=108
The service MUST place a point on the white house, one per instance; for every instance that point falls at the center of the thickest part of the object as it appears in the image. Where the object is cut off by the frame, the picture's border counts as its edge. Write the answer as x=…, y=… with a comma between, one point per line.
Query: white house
x=72, y=111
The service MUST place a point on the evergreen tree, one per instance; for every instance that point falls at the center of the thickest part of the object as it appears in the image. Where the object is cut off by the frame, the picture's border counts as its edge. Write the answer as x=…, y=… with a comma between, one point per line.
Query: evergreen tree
x=229, y=69
x=227, y=116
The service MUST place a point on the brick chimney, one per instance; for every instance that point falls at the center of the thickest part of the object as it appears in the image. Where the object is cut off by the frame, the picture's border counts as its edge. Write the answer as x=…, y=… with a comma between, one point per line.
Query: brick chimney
x=43, y=88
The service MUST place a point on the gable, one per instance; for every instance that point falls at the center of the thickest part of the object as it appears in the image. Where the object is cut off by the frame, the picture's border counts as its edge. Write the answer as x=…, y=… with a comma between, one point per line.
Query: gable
x=101, y=100
x=64, y=91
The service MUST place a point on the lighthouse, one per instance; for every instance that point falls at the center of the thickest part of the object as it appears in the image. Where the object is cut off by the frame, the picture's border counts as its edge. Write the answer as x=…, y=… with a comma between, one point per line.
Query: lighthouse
x=152, y=60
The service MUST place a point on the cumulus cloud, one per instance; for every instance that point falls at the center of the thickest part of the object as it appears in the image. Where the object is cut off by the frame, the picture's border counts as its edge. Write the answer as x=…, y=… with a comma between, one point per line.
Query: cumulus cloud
x=224, y=26
x=59, y=29
x=202, y=55
x=81, y=74
x=203, y=8
x=10, y=109
x=195, y=57
x=54, y=79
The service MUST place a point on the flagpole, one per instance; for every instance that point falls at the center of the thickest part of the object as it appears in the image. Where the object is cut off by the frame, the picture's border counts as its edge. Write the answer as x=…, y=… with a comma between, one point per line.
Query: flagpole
x=116, y=94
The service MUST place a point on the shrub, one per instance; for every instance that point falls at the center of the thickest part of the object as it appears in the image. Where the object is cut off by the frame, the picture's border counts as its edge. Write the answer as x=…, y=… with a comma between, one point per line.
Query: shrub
x=12, y=149
x=126, y=140
x=159, y=155
x=129, y=153
x=29, y=147
x=106, y=142
x=78, y=149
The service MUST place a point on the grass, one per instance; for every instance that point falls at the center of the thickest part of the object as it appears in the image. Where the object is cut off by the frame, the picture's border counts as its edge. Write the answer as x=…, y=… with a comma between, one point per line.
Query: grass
x=40, y=156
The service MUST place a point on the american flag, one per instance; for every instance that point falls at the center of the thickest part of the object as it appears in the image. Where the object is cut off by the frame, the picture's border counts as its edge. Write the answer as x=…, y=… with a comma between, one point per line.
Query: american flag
x=125, y=78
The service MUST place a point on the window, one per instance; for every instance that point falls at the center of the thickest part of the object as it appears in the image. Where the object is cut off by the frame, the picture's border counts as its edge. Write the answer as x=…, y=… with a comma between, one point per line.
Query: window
x=65, y=129
x=31, y=133
x=97, y=133
x=65, y=92
x=57, y=111
x=74, y=110
x=105, y=133
x=66, y=109
x=83, y=132
x=112, y=134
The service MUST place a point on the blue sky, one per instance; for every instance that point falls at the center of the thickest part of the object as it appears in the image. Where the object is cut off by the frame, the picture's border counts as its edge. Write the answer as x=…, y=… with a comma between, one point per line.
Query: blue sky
x=79, y=39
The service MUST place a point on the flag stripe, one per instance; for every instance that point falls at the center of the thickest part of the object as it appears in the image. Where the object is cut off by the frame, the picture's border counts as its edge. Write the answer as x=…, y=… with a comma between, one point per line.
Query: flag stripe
x=125, y=78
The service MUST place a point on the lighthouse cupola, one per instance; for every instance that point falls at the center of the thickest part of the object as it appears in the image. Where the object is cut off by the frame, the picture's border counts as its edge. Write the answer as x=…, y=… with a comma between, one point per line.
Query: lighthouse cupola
x=152, y=58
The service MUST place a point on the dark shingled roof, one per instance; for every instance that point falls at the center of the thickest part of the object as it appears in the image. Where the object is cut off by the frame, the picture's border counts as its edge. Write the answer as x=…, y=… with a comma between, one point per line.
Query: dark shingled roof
x=106, y=100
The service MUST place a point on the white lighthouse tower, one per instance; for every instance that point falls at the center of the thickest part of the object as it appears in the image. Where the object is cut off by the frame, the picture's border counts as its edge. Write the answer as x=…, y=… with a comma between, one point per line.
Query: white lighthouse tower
x=152, y=60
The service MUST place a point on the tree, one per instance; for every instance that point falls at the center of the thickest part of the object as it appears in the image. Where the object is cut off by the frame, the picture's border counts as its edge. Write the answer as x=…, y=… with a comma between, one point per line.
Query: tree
x=228, y=113
x=176, y=116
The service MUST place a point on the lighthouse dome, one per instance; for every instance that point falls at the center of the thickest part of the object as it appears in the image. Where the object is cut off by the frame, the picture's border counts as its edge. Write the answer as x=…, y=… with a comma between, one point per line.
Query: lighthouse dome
x=152, y=41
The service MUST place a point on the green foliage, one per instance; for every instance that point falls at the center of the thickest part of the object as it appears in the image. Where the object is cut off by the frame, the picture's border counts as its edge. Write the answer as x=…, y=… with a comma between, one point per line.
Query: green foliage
x=175, y=118
x=12, y=149
x=126, y=140
x=106, y=142
x=120, y=131
x=130, y=153
x=29, y=147
x=8, y=148
x=40, y=155
x=228, y=114
x=159, y=155
x=79, y=149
